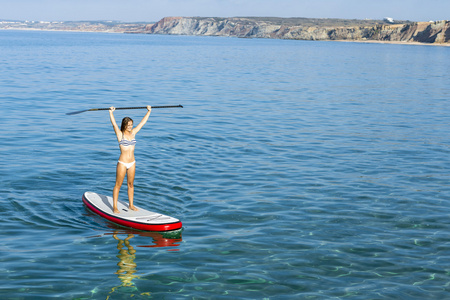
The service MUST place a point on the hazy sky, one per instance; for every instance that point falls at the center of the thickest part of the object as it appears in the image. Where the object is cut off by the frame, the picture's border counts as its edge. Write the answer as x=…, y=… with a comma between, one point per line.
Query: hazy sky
x=154, y=10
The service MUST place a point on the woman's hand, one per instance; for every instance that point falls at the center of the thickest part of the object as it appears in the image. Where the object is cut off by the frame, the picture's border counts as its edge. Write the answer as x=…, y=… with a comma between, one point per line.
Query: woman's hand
x=149, y=108
x=112, y=108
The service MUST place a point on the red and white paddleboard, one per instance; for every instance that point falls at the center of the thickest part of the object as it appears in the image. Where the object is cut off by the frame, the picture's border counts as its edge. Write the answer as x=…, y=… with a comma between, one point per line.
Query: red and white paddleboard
x=141, y=219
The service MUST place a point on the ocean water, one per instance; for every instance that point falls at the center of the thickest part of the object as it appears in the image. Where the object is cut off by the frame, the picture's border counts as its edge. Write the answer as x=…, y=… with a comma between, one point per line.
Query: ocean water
x=300, y=170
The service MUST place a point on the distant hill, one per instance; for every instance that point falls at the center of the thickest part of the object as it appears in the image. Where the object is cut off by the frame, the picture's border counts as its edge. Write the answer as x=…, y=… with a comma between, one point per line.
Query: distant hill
x=387, y=30
x=96, y=26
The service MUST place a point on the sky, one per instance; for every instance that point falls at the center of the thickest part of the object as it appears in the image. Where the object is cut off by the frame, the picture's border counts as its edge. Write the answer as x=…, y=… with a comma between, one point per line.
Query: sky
x=154, y=10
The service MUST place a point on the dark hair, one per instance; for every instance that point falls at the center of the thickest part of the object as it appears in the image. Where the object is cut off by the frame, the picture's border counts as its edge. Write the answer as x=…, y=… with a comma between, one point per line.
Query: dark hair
x=125, y=123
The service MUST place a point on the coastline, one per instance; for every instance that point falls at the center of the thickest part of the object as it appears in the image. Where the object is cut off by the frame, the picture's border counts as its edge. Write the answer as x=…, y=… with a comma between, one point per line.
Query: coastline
x=339, y=41
x=392, y=43
x=360, y=31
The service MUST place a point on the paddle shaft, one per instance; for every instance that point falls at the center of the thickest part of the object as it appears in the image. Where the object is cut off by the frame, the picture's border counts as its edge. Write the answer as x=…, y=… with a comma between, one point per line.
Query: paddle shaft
x=117, y=108
x=138, y=107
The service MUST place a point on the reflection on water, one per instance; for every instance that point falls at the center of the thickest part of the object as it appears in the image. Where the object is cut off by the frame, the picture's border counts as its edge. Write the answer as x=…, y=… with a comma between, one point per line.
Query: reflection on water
x=163, y=239
x=127, y=253
x=127, y=266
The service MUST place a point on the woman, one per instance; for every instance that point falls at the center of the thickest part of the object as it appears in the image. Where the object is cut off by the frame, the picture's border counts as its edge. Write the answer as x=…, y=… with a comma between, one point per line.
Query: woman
x=126, y=164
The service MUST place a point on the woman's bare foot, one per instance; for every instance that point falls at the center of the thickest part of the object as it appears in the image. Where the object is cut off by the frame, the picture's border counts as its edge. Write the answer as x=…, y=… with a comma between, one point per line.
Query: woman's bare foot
x=132, y=208
x=115, y=210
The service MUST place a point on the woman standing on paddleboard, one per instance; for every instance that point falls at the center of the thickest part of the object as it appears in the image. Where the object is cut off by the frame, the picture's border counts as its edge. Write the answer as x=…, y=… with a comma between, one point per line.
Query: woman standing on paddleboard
x=126, y=164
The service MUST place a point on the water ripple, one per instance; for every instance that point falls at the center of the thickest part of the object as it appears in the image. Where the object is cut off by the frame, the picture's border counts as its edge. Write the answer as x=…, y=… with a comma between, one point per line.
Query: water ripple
x=293, y=179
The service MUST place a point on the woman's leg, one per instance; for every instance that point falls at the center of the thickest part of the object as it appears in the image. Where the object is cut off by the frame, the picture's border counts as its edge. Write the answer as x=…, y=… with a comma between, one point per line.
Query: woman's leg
x=121, y=170
x=130, y=181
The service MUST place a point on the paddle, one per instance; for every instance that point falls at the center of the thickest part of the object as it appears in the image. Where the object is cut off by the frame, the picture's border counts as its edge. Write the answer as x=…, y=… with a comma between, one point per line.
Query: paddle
x=139, y=107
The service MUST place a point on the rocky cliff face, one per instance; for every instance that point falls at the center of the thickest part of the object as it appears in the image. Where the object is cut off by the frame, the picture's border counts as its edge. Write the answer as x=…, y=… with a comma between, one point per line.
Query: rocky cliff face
x=422, y=32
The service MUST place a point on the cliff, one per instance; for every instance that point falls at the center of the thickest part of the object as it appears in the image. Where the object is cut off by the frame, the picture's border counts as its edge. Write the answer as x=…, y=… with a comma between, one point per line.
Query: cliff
x=306, y=29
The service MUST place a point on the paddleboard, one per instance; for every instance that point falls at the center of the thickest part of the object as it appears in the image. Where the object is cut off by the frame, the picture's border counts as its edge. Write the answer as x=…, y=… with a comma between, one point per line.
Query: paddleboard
x=141, y=219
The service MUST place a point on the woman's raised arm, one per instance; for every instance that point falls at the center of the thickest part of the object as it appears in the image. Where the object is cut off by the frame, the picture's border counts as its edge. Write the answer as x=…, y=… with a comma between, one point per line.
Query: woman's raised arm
x=113, y=121
x=144, y=120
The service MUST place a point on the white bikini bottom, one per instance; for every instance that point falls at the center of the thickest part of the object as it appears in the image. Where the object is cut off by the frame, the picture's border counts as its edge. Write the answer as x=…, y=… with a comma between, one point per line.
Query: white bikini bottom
x=127, y=165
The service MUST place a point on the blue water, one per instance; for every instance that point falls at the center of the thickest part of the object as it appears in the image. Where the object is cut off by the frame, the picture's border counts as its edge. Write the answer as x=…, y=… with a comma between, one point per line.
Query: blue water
x=300, y=170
